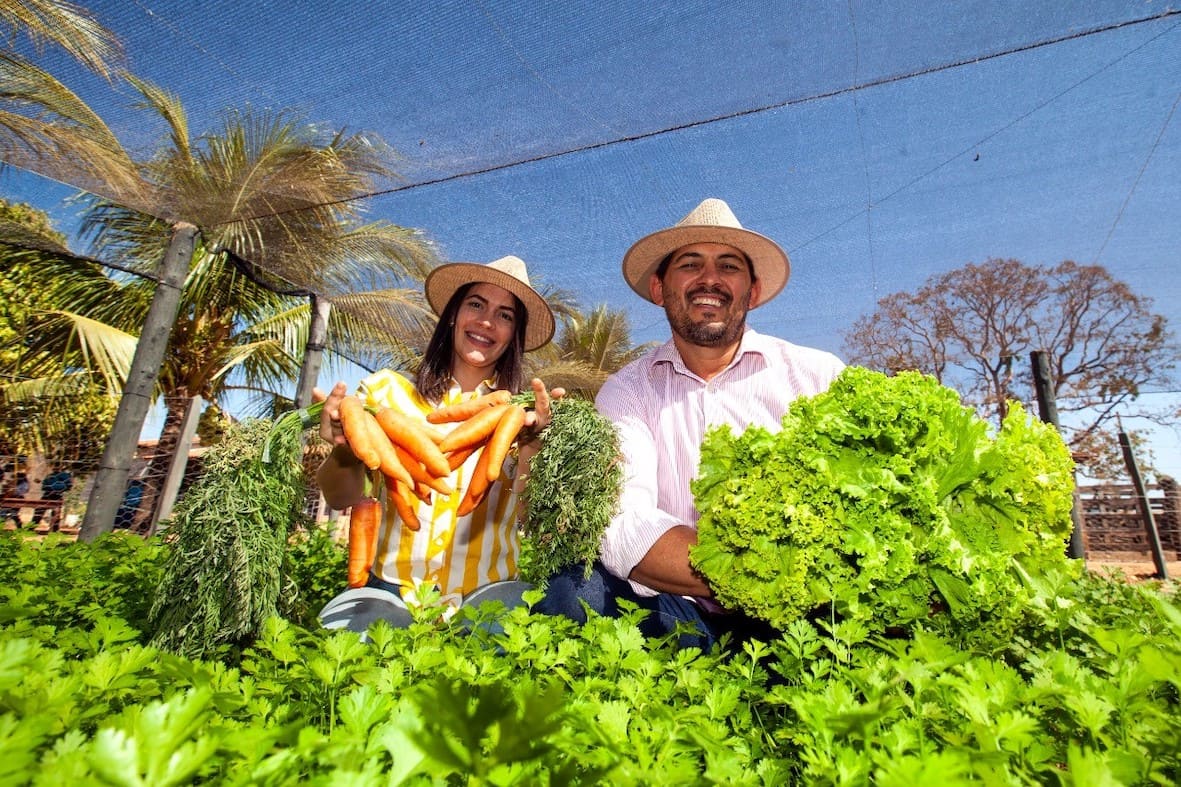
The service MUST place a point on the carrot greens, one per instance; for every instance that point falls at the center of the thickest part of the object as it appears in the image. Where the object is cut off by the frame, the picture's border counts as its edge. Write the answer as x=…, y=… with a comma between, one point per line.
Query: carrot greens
x=572, y=490
x=227, y=540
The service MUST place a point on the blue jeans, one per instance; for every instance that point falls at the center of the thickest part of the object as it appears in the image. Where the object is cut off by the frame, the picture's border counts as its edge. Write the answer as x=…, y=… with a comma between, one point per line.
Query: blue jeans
x=602, y=591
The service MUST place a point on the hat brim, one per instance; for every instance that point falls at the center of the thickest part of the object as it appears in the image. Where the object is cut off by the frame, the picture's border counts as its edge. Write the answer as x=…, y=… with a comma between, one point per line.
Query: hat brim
x=444, y=280
x=772, y=268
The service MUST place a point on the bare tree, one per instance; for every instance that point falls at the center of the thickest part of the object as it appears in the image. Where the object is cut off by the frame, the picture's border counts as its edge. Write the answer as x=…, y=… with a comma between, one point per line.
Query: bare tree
x=973, y=329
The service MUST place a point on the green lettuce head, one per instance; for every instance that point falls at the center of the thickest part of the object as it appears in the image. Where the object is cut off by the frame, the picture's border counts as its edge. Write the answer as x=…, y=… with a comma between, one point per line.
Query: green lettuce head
x=882, y=500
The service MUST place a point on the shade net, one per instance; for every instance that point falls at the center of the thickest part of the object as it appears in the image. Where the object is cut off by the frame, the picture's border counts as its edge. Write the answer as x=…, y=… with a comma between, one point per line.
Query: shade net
x=879, y=143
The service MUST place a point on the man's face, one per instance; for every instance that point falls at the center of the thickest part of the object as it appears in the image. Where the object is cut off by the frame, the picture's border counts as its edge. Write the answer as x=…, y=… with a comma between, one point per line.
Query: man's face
x=706, y=292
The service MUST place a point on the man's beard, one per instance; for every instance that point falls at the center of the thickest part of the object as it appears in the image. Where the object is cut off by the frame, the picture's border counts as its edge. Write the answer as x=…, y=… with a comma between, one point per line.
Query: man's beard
x=706, y=334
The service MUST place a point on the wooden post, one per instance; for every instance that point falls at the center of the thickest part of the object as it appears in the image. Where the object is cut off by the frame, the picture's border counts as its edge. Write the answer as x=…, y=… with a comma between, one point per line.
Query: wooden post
x=1170, y=519
x=111, y=479
x=313, y=352
x=1047, y=407
x=176, y=466
x=1158, y=556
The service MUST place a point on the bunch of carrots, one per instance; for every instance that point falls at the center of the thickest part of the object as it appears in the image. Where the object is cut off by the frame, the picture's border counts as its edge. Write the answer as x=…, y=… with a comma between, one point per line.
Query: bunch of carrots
x=416, y=460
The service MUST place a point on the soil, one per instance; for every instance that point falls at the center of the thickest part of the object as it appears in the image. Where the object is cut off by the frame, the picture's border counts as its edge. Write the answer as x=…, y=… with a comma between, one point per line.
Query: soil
x=1136, y=568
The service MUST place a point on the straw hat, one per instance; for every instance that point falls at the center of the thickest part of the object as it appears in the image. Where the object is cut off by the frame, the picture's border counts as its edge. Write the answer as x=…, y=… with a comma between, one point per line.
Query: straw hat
x=507, y=272
x=710, y=222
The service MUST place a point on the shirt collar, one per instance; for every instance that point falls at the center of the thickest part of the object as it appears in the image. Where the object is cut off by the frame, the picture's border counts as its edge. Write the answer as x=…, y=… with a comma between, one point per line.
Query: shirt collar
x=752, y=343
x=455, y=392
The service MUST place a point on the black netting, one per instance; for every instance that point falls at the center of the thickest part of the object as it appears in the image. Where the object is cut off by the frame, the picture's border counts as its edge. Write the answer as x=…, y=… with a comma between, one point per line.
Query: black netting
x=879, y=143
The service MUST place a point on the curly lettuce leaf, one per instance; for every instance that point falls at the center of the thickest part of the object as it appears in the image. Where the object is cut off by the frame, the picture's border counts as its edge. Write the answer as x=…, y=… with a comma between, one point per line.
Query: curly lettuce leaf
x=882, y=499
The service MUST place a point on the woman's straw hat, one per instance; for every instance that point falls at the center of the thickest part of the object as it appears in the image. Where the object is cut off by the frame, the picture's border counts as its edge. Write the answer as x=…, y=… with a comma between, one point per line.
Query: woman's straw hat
x=507, y=272
x=710, y=222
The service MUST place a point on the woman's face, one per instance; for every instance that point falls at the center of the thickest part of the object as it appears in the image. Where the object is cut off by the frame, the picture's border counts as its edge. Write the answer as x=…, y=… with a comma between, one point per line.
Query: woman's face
x=484, y=327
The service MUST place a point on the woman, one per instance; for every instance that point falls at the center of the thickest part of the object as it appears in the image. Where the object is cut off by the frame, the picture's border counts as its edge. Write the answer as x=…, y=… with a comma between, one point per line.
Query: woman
x=489, y=316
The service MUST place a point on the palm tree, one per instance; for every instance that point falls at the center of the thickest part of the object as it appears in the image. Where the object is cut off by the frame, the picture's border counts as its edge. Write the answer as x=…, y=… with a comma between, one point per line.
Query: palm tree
x=266, y=189
x=268, y=193
x=65, y=24
x=55, y=411
x=588, y=349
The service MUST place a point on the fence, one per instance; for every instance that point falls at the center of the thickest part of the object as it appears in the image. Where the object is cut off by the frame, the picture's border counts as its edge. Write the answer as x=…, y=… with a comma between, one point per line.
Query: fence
x=1113, y=523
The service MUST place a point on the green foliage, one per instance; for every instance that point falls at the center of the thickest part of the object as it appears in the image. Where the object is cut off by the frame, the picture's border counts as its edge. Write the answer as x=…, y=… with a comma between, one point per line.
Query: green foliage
x=227, y=539
x=63, y=586
x=572, y=491
x=879, y=498
x=1088, y=690
x=312, y=567
x=49, y=407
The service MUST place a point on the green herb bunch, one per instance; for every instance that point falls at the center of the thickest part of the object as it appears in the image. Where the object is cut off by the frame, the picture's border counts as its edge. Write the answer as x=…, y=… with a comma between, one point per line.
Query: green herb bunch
x=572, y=490
x=228, y=537
x=882, y=500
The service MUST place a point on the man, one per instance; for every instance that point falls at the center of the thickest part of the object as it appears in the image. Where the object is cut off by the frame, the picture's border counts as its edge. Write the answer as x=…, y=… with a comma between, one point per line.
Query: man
x=707, y=272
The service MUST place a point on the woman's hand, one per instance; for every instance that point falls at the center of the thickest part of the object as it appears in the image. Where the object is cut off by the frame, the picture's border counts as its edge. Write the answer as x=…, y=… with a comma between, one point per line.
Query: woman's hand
x=540, y=416
x=331, y=431
x=529, y=438
x=341, y=476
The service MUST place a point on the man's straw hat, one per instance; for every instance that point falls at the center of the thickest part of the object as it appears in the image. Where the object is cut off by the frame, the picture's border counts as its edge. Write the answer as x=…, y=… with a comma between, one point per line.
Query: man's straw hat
x=710, y=222
x=507, y=272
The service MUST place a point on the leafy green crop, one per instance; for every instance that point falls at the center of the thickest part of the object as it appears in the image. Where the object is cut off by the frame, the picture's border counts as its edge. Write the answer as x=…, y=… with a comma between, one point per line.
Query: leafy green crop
x=572, y=491
x=1087, y=691
x=879, y=500
x=228, y=537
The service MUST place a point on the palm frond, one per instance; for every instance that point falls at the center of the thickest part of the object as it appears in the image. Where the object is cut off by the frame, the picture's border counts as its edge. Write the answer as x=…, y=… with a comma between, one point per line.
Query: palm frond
x=71, y=27
x=34, y=389
x=375, y=256
x=601, y=339
x=57, y=135
x=577, y=377
x=103, y=347
x=264, y=361
x=18, y=237
x=167, y=105
x=381, y=328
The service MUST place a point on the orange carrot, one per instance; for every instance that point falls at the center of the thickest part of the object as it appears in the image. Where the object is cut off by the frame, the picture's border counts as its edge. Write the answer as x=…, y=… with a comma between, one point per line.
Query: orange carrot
x=502, y=439
x=422, y=492
x=391, y=463
x=458, y=457
x=478, y=486
x=354, y=420
x=474, y=430
x=412, y=435
x=420, y=475
x=405, y=503
x=461, y=411
x=364, y=519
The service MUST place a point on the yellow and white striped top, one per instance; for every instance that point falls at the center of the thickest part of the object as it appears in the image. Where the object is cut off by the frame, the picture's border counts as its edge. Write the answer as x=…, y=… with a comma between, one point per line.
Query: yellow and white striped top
x=453, y=553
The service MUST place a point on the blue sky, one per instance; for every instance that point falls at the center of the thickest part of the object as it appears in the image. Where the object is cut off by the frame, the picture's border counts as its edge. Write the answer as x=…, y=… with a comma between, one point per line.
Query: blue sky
x=879, y=142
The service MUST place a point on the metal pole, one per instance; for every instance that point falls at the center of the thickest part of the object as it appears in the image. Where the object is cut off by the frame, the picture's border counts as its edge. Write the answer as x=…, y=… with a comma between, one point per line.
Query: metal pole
x=115, y=465
x=1158, y=555
x=1047, y=407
